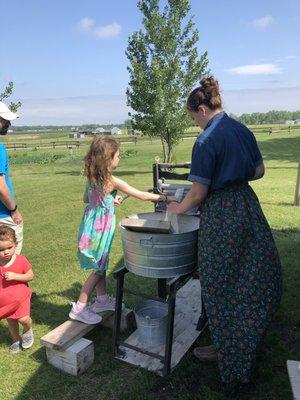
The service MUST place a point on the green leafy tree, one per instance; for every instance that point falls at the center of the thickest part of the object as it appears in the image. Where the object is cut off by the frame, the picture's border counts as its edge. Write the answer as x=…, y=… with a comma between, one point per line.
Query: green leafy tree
x=164, y=67
x=7, y=93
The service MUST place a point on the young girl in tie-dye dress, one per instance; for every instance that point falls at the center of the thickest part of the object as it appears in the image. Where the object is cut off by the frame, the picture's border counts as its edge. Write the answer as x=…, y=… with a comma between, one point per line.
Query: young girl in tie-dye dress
x=97, y=227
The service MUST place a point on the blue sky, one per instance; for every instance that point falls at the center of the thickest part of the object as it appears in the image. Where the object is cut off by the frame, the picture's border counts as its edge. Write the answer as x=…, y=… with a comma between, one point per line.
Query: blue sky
x=68, y=64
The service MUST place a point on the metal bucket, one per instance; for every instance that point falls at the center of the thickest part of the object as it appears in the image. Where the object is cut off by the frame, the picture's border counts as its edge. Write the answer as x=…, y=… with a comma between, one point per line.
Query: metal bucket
x=151, y=320
x=161, y=255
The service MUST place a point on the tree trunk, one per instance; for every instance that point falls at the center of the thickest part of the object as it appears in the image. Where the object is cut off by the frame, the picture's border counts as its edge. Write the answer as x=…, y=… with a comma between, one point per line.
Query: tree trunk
x=164, y=147
x=169, y=146
x=169, y=154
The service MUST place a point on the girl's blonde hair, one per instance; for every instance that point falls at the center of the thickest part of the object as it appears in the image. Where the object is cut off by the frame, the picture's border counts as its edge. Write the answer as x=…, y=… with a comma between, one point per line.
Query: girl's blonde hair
x=97, y=162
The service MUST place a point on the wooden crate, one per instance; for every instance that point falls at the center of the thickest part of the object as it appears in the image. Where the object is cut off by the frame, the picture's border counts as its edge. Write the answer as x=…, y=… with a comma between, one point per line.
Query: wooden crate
x=75, y=359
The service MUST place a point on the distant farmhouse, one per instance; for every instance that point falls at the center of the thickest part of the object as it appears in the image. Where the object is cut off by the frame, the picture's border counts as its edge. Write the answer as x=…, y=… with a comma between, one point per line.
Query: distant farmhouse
x=292, y=122
x=116, y=131
x=101, y=131
x=77, y=135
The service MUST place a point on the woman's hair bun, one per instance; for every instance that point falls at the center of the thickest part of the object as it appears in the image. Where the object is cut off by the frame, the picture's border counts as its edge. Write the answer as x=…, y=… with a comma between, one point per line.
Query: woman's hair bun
x=207, y=93
x=210, y=85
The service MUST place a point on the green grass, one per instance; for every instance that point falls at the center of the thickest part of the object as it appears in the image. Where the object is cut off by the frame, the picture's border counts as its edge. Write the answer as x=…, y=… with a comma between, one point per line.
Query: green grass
x=49, y=197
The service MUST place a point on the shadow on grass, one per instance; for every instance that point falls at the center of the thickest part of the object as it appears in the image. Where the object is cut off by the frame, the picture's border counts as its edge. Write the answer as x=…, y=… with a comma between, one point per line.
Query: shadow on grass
x=281, y=203
x=281, y=149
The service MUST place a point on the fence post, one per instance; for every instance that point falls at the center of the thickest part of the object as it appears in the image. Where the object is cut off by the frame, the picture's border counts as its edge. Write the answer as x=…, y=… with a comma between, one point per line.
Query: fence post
x=297, y=189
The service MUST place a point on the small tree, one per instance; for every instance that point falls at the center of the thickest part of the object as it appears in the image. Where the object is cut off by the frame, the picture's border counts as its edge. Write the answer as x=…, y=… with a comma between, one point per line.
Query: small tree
x=7, y=93
x=164, y=67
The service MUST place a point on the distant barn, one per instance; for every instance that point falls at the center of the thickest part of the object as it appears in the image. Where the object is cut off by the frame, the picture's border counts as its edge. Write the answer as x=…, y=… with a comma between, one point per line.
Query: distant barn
x=76, y=135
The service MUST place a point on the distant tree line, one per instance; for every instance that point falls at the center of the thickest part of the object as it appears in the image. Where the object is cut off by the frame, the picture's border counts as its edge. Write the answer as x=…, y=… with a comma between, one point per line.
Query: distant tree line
x=88, y=127
x=271, y=117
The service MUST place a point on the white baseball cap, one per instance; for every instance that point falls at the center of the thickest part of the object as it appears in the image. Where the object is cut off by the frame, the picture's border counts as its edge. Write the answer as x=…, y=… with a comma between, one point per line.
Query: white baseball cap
x=5, y=112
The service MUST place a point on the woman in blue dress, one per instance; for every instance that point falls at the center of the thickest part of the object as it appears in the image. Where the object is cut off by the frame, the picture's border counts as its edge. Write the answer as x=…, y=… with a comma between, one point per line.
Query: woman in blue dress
x=239, y=266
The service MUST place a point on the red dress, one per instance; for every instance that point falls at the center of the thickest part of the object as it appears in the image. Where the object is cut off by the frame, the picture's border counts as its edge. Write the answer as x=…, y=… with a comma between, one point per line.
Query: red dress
x=14, y=295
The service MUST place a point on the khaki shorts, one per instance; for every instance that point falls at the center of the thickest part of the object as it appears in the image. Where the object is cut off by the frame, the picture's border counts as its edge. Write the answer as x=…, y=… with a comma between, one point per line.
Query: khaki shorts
x=8, y=221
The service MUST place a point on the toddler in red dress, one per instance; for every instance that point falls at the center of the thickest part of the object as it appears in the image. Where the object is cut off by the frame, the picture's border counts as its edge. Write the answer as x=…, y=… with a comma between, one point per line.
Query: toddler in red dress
x=15, y=272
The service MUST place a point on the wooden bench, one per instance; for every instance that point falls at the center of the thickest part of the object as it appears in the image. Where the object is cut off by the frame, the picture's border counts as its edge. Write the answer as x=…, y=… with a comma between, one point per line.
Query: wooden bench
x=67, y=350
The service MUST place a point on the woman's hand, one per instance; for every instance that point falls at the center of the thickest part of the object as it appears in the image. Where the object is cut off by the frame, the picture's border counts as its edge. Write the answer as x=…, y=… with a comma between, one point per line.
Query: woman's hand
x=171, y=199
x=118, y=199
x=174, y=207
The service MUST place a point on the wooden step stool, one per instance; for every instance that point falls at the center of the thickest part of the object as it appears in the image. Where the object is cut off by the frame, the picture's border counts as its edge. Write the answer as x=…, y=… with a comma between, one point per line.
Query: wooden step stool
x=66, y=349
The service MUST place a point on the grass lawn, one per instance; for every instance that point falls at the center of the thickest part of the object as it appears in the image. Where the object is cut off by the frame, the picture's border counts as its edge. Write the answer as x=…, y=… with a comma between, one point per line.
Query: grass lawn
x=49, y=196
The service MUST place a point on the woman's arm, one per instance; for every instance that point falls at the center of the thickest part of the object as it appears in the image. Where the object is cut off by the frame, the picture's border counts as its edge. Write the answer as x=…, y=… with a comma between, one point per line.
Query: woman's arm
x=13, y=276
x=193, y=198
x=138, y=194
x=259, y=172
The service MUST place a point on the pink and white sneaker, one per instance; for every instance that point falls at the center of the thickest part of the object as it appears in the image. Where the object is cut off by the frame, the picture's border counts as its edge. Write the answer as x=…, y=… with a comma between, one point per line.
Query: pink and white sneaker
x=84, y=314
x=107, y=304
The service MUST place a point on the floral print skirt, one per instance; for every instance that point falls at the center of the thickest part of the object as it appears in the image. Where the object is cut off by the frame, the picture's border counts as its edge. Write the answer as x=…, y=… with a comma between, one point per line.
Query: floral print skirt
x=240, y=274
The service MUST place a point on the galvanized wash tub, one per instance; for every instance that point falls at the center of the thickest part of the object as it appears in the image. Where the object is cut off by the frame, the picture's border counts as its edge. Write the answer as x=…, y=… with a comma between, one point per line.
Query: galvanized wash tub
x=161, y=255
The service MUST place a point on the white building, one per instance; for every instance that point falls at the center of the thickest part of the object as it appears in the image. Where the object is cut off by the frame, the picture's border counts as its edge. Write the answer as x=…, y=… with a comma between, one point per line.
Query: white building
x=116, y=131
x=289, y=122
x=76, y=135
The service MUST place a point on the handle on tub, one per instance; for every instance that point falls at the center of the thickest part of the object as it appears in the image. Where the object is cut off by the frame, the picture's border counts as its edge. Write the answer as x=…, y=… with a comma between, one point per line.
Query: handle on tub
x=147, y=242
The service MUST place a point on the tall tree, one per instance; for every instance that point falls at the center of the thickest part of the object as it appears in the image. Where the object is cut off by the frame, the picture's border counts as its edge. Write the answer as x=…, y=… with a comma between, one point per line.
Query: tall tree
x=164, y=67
x=7, y=93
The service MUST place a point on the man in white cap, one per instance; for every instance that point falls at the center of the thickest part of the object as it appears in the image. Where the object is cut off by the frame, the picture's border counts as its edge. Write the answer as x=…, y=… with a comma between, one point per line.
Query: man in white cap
x=9, y=213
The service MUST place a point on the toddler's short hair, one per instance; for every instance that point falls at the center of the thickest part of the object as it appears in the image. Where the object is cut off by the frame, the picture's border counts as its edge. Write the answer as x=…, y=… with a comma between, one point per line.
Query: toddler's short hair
x=7, y=233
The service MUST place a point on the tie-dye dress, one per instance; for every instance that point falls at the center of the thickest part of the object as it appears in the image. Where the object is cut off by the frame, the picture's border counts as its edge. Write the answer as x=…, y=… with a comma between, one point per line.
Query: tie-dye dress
x=96, y=231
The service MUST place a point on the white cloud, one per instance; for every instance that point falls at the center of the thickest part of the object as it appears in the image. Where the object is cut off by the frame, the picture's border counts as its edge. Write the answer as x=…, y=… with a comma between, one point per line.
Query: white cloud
x=113, y=109
x=88, y=26
x=262, y=23
x=292, y=57
x=255, y=69
x=73, y=111
x=112, y=30
x=261, y=100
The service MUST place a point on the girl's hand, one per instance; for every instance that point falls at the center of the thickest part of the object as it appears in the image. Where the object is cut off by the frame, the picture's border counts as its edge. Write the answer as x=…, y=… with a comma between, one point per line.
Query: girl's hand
x=174, y=207
x=118, y=199
x=10, y=276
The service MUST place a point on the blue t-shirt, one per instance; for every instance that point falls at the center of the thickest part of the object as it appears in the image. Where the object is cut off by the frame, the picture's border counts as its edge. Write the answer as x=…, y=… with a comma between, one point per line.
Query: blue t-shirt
x=225, y=153
x=4, y=170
